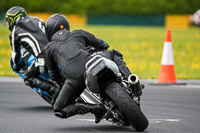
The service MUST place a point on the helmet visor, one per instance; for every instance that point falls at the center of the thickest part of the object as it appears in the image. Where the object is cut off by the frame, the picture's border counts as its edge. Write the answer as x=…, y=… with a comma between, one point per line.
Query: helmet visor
x=9, y=23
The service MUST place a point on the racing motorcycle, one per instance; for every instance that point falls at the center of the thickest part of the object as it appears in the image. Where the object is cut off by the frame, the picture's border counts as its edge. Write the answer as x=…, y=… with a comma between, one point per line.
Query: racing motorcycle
x=105, y=85
x=30, y=59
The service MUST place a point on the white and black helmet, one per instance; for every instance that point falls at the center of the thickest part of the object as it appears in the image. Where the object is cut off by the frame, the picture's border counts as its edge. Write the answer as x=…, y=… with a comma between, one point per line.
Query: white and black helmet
x=55, y=23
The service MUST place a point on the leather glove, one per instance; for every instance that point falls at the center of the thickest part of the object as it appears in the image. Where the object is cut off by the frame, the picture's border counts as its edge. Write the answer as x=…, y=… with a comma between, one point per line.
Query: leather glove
x=105, y=46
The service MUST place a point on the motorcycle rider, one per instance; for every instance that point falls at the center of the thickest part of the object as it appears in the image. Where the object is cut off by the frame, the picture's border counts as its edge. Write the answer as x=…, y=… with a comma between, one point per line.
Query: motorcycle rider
x=69, y=51
x=29, y=33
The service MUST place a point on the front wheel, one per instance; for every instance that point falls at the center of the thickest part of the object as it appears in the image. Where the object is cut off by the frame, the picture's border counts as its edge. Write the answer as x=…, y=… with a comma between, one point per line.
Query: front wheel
x=127, y=106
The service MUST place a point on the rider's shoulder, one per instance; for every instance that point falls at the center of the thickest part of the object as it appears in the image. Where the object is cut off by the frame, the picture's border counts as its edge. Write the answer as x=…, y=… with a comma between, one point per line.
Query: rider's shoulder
x=28, y=24
x=78, y=31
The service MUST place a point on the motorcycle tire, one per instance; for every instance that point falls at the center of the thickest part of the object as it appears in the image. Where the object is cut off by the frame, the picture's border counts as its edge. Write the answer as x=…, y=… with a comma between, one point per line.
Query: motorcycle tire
x=127, y=106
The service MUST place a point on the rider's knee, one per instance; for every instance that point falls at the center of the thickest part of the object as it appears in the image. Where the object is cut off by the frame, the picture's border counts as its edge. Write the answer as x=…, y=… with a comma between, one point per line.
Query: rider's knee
x=57, y=107
x=59, y=114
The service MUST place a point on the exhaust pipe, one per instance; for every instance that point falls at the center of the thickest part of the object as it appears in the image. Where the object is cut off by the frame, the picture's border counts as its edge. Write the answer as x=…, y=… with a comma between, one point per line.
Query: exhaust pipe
x=135, y=84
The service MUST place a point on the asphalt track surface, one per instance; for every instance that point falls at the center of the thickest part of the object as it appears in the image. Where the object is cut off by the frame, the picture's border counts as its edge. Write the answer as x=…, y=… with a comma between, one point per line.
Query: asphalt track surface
x=170, y=109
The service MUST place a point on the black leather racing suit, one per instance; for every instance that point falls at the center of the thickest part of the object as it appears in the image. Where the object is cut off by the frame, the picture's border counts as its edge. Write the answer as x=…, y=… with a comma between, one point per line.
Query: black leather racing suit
x=69, y=51
x=29, y=34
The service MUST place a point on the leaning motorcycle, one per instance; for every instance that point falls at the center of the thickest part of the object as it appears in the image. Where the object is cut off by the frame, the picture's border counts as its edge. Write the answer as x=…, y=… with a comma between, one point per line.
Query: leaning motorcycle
x=121, y=98
x=106, y=86
x=30, y=59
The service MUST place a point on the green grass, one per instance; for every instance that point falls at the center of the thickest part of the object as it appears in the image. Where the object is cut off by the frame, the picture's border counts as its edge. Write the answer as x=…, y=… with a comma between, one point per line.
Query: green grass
x=141, y=46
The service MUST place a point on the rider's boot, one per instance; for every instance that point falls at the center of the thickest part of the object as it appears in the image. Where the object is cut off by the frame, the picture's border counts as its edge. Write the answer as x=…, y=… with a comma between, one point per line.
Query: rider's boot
x=68, y=111
x=80, y=108
x=126, y=73
x=118, y=59
x=97, y=109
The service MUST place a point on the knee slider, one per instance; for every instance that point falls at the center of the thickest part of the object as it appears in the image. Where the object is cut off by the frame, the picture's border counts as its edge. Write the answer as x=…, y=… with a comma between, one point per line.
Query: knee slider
x=59, y=114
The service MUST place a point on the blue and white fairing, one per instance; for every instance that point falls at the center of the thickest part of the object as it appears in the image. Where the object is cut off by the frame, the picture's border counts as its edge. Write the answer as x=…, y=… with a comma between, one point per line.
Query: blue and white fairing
x=45, y=75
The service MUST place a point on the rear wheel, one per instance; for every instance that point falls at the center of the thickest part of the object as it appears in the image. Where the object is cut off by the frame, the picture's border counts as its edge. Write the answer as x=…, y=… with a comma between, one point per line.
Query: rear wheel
x=127, y=106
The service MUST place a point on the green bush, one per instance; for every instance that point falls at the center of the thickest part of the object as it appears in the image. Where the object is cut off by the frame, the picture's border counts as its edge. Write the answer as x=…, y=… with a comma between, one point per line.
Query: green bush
x=106, y=7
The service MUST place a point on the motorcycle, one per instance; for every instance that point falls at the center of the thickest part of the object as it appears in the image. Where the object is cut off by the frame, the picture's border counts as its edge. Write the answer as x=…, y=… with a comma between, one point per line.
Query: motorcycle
x=30, y=59
x=105, y=85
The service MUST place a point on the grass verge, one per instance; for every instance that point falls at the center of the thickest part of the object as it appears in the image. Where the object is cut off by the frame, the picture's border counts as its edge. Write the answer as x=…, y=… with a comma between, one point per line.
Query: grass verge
x=141, y=46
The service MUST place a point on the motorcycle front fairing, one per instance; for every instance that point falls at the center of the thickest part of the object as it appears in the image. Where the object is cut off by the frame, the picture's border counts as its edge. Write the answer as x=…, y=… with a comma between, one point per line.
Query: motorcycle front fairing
x=45, y=75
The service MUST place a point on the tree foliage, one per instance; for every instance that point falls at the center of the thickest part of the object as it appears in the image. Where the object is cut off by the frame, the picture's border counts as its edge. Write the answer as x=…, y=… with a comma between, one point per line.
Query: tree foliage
x=105, y=7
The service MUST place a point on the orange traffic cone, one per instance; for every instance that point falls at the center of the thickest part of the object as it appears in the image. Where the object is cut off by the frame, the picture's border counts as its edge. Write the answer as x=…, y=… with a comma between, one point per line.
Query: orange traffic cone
x=167, y=73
